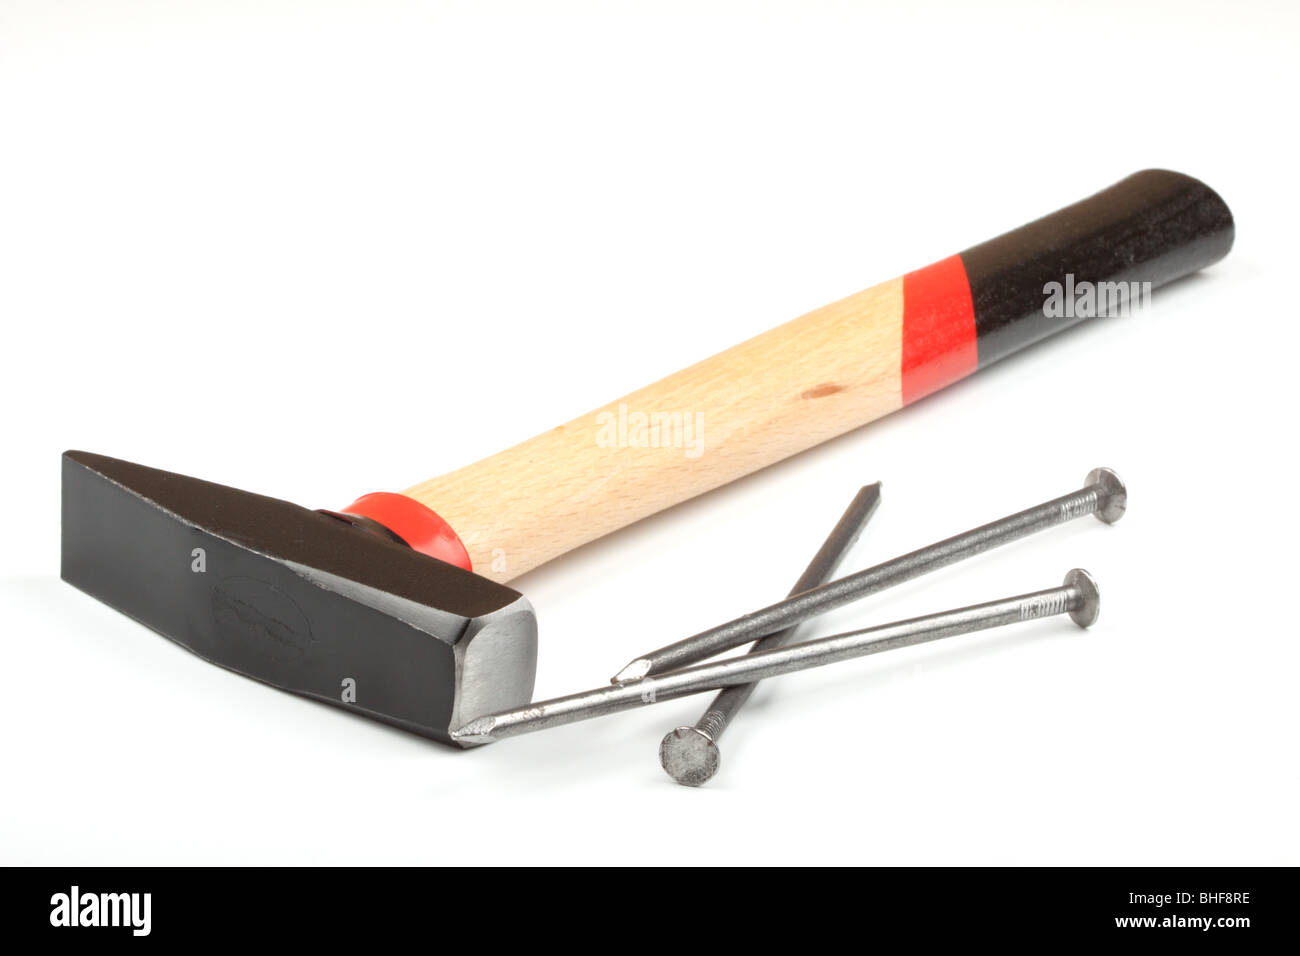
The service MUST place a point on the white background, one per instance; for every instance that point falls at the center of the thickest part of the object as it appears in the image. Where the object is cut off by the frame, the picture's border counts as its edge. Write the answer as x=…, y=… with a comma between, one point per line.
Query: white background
x=320, y=248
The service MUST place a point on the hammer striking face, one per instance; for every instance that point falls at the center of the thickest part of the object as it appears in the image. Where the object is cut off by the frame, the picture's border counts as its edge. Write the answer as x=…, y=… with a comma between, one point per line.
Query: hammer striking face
x=296, y=598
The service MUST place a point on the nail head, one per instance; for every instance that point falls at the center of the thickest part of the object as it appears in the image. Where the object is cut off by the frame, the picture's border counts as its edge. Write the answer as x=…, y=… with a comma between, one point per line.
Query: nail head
x=689, y=756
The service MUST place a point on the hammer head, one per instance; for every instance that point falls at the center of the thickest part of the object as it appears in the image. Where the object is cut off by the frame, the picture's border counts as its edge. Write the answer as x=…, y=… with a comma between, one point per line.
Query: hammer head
x=296, y=598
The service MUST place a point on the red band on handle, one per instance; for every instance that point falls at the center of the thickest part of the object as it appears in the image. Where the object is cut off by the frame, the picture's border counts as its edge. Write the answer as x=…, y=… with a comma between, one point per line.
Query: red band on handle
x=938, y=328
x=417, y=525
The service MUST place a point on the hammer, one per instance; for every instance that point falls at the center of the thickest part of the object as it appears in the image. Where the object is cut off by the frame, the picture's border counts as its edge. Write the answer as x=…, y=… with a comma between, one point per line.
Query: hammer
x=395, y=607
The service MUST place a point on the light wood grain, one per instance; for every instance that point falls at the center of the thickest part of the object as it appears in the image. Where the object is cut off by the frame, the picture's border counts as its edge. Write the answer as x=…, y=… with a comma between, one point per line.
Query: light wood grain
x=770, y=397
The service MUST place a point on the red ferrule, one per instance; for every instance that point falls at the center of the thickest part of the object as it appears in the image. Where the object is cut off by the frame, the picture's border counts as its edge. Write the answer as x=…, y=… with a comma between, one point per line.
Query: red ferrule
x=419, y=526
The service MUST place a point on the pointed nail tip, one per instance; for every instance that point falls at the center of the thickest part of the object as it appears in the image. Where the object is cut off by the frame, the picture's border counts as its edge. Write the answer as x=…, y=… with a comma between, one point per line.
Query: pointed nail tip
x=477, y=731
x=638, y=669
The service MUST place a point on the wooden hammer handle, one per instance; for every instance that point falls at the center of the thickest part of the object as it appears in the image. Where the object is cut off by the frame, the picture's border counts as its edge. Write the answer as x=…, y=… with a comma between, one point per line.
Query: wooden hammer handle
x=826, y=372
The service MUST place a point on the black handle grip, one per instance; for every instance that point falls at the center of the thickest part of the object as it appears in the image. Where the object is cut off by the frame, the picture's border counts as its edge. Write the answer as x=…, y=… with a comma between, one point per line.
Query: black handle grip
x=1155, y=226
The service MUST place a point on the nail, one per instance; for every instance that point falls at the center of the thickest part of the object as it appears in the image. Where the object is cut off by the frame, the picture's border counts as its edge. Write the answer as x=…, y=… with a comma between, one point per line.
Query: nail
x=690, y=754
x=1078, y=597
x=1102, y=495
